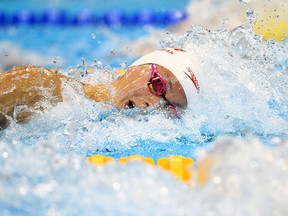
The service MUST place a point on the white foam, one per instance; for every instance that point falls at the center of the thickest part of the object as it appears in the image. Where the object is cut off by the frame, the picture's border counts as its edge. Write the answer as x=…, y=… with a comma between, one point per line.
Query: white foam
x=44, y=169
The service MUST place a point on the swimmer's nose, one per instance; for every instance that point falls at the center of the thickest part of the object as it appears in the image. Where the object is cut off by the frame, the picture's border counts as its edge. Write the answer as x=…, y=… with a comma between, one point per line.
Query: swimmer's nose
x=130, y=104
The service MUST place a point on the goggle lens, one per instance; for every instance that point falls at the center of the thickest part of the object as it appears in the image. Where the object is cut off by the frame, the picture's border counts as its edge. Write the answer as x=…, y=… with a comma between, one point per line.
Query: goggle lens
x=157, y=86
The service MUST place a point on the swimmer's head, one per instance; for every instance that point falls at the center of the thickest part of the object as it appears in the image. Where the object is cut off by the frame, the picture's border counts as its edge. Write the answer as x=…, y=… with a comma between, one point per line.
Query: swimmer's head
x=170, y=75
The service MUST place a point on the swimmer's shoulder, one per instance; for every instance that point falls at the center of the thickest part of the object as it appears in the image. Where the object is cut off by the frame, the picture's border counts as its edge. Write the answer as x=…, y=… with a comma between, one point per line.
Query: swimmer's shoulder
x=30, y=69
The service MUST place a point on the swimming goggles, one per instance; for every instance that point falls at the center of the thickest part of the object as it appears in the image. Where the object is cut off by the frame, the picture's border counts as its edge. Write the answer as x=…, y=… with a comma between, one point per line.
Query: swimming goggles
x=157, y=86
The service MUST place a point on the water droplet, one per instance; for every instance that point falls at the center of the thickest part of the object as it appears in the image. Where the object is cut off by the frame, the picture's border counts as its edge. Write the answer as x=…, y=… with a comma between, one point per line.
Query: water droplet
x=99, y=64
x=217, y=180
x=113, y=52
x=5, y=154
x=123, y=65
x=93, y=36
x=83, y=61
x=116, y=186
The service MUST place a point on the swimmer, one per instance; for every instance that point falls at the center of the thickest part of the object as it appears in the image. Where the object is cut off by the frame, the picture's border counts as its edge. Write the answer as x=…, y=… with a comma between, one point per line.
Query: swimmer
x=170, y=75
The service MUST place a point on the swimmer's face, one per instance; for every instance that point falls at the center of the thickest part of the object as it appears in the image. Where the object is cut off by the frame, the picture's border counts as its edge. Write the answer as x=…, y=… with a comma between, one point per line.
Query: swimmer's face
x=131, y=90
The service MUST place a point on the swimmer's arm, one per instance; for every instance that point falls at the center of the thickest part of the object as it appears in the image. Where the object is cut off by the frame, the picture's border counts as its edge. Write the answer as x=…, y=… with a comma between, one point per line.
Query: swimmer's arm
x=28, y=86
x=97, y=92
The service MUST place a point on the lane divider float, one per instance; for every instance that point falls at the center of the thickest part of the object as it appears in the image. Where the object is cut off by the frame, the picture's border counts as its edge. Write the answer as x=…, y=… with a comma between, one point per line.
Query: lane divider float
x=60, y=17
x=177, y=165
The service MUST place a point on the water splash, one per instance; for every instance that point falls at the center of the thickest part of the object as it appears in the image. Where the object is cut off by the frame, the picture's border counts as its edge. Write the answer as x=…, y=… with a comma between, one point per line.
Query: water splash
x=43, y=165
x=240, y=79
x=246, y=178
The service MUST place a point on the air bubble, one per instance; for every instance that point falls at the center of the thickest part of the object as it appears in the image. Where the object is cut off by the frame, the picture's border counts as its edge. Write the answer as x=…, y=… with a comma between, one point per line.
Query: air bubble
x=93, y=36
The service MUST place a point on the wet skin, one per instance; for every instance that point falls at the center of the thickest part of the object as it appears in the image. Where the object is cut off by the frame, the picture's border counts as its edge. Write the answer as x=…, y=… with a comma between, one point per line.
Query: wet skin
x=133, y=87
x=29, y=89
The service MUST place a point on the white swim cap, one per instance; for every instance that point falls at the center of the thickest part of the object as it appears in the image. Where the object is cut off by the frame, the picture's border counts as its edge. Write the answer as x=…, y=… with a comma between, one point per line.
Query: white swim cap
x=182, y=64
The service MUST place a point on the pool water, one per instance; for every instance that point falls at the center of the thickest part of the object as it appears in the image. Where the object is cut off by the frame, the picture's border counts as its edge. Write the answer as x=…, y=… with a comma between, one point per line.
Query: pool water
x=240, y=121
x=93, y=30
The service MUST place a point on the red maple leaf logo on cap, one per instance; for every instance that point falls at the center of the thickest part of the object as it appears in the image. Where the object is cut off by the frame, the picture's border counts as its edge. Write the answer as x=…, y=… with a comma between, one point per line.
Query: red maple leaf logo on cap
x=168, y=51
x=193, y=78
x=179, y=49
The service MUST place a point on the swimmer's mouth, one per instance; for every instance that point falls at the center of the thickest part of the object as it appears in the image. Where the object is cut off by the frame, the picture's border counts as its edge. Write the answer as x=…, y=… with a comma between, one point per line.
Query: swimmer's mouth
x=130, y=104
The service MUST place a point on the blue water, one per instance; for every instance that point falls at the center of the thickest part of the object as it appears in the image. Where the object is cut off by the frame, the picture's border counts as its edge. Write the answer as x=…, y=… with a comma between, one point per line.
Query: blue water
x=240, y=121
x=52, y=44
x=45, y=44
